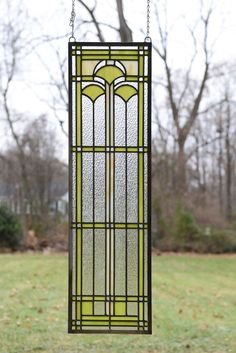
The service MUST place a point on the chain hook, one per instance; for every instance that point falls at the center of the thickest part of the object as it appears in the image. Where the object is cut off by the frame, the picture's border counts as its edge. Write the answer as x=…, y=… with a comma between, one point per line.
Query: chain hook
x=148, y=38
x=72, y=22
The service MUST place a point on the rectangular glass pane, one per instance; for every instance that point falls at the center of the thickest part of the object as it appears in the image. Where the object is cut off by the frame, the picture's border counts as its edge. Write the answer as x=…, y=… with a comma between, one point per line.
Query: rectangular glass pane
x=110, y=191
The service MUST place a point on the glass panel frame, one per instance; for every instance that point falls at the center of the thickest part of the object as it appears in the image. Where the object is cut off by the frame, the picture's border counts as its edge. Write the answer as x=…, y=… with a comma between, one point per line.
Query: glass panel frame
x=111, y=70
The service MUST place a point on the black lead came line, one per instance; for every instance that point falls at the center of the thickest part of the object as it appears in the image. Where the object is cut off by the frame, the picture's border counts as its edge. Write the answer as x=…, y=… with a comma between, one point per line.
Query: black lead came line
x=81, y=198
x=126, y=215
x=93, y=286
x=76, y=185
x=109, y=199
x=105, y=201
x=143, y=186
x=70, y=263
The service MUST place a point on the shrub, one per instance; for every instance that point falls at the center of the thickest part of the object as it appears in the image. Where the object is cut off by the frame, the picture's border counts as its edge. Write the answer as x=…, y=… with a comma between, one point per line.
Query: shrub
x=186, y=226
x=10, y=229
x=220, y=241
x=179, y=231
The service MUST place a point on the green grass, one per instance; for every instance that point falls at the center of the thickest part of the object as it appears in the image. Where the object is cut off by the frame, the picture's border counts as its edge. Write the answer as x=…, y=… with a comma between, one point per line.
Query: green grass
x=194, y=308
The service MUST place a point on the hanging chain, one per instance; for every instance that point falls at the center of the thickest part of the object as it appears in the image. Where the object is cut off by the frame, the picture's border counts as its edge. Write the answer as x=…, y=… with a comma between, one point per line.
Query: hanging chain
x=73, y=15
x=148, y=38
x=72, y=21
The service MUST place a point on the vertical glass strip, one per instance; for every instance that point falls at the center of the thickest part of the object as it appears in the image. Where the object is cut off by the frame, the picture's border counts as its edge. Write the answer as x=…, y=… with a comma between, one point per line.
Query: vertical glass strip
x=79, y=187
x=78, y=116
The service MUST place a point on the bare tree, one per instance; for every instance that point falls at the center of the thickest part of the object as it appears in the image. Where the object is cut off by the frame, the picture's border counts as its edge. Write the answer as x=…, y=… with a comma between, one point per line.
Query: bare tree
x=46, y=174
x=13, y=49
x=16, y=44
x=96, y=23
x=57, y=84
x=184, y=99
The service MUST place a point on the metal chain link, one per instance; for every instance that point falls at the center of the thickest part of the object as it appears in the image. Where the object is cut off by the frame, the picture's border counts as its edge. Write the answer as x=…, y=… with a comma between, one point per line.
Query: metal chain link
x=148, y=38
x=72, y=21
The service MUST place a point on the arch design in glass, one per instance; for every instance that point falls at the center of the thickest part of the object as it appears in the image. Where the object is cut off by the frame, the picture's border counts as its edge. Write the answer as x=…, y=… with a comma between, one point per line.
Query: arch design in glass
x=110, y=187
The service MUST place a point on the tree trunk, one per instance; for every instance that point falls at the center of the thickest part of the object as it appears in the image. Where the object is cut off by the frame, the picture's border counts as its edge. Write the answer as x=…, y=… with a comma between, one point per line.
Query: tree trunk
x=228, y=165
x=124, y=30
x=220, y=159
x=181, y=169
x=198, y=173
x=23, y=216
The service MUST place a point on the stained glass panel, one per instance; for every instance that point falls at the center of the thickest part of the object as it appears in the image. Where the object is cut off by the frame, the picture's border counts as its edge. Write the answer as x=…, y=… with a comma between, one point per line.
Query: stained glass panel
x=110, y=188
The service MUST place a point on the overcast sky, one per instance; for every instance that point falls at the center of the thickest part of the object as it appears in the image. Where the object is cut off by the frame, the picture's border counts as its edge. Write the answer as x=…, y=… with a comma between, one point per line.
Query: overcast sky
x=52, y=18
x=51, y=15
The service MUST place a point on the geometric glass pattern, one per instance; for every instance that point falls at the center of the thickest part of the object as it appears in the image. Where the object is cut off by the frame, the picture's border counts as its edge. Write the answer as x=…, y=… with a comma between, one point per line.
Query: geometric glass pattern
x=110, y=188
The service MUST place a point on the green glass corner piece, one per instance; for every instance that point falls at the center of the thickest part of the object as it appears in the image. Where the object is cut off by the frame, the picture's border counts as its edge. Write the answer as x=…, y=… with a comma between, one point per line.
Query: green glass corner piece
x=87, y=308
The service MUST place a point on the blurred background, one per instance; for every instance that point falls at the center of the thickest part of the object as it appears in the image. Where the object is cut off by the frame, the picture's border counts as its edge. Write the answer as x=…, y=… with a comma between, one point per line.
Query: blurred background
x=193, y=172
x=194, y=109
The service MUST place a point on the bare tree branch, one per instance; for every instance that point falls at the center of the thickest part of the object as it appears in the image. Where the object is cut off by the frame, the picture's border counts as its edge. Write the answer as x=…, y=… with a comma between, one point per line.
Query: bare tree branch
x=94, y=19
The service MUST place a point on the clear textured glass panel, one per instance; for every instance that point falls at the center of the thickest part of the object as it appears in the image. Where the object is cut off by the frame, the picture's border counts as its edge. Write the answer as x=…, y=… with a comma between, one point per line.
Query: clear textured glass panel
x=87, y=263
x=132, y=309
x=120, y=188
x=87, y=186
x=119, y=122
x=99, y=308
x=87, y=121
x=120, y=260
x=99, y=187
x=100, y=121
x=132, y=122
x=132, y=188
x=132, y=241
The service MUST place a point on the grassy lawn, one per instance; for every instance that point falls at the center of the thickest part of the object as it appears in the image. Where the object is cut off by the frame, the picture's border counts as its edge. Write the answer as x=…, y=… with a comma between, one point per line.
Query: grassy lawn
x=194, y=307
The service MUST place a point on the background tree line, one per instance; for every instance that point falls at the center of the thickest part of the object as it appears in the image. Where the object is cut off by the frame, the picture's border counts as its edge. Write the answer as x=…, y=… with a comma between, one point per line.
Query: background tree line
x=193, y=160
